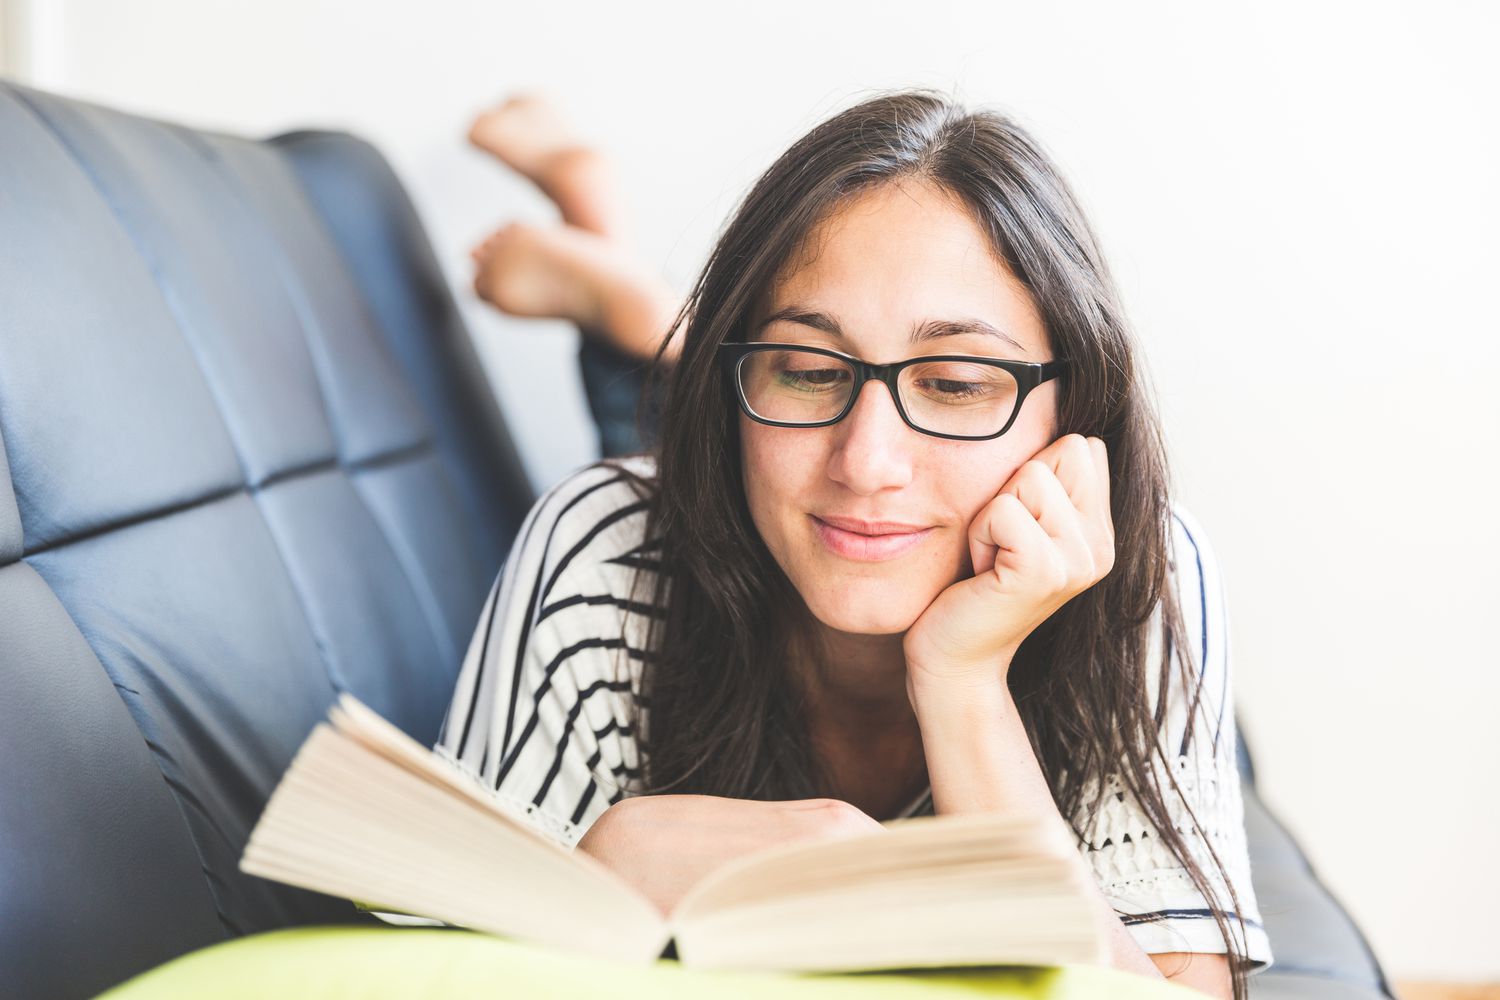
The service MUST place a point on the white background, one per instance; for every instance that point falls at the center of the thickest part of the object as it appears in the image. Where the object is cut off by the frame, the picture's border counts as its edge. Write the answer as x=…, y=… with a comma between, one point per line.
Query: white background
x=1298, y=199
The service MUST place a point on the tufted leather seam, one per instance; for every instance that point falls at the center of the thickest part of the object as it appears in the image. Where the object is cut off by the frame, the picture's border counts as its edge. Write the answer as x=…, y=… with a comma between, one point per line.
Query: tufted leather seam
x=380, y=461
x=157, y=755
x=283, y=269
x=87, y=168
x=427, y=600
x=392, y=457
x=418, y=586
x=129, y=522
x=414, y=452
x=5, y=469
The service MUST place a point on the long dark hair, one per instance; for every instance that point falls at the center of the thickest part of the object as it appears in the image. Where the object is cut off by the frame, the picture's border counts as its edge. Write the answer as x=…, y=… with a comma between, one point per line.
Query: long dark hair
x=724, y=714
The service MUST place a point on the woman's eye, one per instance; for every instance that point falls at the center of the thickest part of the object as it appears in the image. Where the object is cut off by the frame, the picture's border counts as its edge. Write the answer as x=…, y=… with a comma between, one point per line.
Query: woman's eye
x=951, y=390
x=812, y=378
x=960, y=383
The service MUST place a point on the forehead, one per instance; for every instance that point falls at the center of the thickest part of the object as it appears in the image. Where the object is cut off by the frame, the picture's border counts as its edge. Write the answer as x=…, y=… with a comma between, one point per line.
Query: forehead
x=896, y=256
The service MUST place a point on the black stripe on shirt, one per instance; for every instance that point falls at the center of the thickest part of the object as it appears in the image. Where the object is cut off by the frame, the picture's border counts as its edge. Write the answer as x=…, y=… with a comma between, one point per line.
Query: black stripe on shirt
x=593, y=786
x=615, y=515
x=1142, y=918
x=484, y=651
x=637, y=562
x=514, y=754
x=638, y=607
x=567, y=735
x=649, y=545
x=1224, y=682
x=534, y=602
x=583, y=802
x=1187, y=733
x=617, y=770
x=612, y=726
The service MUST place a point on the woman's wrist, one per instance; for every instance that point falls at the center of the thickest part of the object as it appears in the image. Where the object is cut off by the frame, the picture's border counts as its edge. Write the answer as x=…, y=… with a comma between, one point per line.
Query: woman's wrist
x=979, y=757
x=952, y=687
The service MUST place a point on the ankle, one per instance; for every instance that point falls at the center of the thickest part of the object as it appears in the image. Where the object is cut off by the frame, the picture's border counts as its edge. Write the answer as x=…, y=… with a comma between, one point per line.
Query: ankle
x=637, y=314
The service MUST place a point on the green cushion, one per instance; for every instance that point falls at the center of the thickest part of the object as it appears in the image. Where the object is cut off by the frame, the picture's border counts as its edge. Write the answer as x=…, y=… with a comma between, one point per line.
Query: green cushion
x=337, y=962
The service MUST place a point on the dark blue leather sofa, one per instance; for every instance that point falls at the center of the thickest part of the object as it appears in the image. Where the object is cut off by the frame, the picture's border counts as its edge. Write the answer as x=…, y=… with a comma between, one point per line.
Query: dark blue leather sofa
x=248, y=459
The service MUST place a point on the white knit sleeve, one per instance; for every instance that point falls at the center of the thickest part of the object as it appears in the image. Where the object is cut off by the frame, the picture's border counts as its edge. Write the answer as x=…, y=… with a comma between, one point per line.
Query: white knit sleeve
x=1143, y=879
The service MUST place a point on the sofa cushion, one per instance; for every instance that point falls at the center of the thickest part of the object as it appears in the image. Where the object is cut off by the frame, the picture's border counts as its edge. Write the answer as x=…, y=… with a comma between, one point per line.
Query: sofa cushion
x=250, y=460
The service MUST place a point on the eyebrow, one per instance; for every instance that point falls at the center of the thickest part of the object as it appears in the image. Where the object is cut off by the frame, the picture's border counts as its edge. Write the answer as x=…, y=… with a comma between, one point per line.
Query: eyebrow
x=928, y=330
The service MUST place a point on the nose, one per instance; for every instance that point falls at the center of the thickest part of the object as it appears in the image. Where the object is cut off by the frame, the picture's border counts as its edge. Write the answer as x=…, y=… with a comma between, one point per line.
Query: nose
x=872, y=448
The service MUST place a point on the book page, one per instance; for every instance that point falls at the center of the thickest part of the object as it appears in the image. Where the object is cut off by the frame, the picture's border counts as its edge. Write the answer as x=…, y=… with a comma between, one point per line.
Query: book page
x=925, y=892
x=919, y=845
x=367, y=813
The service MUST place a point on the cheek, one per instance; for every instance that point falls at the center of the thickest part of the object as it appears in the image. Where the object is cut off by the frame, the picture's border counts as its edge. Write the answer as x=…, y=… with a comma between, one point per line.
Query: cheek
x=785, y=470
x=972, y=477
x=778, y=465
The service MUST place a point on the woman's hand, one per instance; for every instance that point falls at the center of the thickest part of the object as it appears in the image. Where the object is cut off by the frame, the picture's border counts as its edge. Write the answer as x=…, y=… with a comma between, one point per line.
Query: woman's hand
x=665, y=844
x=1046, y=537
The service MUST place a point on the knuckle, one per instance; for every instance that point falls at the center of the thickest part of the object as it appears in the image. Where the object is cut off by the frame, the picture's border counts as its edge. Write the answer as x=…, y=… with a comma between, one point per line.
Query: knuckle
x=1034, y=469
x=1057, y=573
x=834, y=808
x=1086, y=573
x=838, y=814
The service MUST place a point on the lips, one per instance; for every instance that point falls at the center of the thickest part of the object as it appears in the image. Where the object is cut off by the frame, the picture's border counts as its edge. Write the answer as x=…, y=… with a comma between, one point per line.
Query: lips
x=868, y=541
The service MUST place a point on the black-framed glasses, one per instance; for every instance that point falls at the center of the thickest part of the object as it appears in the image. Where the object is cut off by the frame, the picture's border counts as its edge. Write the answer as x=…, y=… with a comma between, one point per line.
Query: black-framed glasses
x=955, y=396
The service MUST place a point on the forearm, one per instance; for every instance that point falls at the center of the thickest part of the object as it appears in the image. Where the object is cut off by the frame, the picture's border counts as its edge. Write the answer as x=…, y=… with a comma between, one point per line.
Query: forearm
x=666, y=844
x=979, y=760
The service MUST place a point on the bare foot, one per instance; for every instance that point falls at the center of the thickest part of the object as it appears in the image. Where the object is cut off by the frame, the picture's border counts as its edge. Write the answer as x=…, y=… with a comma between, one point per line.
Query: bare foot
x=566, y=272
x=530, y=134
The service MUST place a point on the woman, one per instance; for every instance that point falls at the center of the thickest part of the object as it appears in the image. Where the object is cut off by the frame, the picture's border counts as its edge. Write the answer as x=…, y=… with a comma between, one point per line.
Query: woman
x=846, y=588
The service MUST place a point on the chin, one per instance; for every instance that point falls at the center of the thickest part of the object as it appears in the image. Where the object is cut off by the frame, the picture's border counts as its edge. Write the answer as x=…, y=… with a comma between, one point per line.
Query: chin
x=868, y=607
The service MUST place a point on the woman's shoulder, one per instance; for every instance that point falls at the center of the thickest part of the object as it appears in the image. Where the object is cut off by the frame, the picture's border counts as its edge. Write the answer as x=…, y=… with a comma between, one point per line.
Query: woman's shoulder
x=601, y=487
x=594, y=515
x=547, y=689
x=1148, y=885
x=1200, y=696
x=1195, y=577
x=584, y=546
x=1190, y=549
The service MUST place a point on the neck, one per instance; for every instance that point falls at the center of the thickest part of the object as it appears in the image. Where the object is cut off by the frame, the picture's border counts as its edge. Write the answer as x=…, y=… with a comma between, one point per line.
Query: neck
x=854, y=679
x=860, y=719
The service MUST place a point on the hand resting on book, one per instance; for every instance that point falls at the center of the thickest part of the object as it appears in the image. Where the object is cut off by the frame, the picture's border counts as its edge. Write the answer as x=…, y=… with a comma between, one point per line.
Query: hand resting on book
x=664, y=844
x=366, y=812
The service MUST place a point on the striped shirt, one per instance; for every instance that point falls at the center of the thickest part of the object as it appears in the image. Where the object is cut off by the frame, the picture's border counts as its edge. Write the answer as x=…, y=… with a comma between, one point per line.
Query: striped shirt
x=544, y=710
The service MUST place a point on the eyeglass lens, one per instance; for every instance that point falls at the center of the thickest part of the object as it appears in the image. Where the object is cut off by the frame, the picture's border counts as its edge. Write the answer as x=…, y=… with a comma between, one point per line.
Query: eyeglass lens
x=963, y=398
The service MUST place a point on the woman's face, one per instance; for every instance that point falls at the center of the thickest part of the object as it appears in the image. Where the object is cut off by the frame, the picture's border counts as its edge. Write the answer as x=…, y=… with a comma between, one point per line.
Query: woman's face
x=899, y=257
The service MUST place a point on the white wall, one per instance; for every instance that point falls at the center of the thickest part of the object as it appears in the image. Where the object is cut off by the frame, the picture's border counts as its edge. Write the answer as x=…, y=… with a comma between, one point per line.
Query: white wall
x=1299, y=200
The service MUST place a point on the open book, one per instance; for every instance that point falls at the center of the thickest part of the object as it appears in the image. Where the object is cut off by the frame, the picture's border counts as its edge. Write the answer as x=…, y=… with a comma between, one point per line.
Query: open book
x=367, y=813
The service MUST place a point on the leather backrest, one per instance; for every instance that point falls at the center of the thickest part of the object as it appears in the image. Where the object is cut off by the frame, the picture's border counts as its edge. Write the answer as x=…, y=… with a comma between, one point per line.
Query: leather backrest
x=248, y=459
